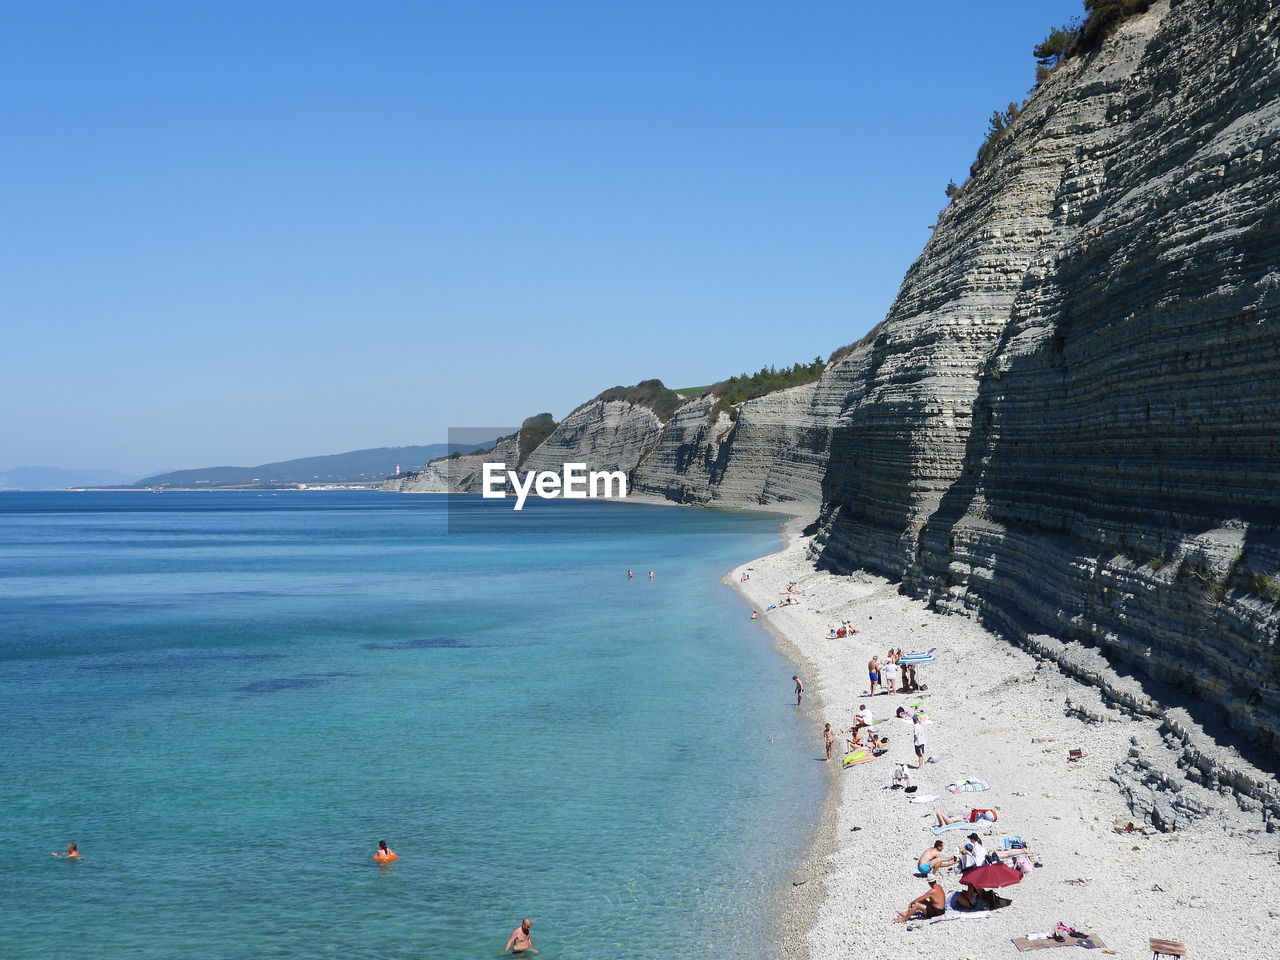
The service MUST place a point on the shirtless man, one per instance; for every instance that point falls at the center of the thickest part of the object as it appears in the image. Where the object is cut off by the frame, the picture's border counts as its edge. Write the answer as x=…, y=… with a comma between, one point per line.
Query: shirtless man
x=828, y=739
x=933, y=859
x=799, y=689
x=873, y=671
x=520, y=941
x=73, y=853
x=932, y=903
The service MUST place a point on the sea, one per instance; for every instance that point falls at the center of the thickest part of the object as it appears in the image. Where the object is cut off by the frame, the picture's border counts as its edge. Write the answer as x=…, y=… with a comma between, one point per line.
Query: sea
x=226, y=699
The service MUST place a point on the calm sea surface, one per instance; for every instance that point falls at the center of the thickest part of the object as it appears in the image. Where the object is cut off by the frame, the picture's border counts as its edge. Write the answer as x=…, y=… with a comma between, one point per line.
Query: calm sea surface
x=227, y=699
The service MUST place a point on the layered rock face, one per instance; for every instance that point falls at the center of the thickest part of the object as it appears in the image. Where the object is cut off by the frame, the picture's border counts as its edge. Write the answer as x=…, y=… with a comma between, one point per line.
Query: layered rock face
x=458, y=474
x=603, y=434
x=1070, y=422
x=773, y=452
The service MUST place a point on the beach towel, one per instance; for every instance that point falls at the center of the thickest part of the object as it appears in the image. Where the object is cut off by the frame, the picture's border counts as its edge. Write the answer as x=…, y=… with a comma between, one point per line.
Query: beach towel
x=1089, y=943
x=968, y=786
x=962, y=825
x=955, y=913
x=927, y=798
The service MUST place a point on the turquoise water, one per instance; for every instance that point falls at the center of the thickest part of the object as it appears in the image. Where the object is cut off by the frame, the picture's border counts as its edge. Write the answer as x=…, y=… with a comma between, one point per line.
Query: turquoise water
x=228, y=699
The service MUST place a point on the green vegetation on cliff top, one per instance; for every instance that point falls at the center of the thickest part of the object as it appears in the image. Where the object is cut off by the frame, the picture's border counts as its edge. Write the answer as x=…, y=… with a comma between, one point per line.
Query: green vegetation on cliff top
x=654, y=394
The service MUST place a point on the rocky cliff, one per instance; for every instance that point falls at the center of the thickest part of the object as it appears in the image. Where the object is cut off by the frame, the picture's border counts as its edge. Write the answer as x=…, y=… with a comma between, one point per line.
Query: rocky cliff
x=1069, y=422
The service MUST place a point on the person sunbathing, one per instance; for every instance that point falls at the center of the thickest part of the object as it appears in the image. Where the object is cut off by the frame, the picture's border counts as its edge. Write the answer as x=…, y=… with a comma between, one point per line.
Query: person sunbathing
x=932, y=903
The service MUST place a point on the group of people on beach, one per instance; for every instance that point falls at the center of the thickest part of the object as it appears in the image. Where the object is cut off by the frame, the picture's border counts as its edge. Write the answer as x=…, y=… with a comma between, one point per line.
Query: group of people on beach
x=891, y=675
x=884, y=674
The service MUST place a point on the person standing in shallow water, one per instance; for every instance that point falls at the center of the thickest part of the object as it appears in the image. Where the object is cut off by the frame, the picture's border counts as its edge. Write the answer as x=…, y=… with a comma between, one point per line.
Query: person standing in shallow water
x=520, y=941
x=73, y=853
x=799, y=689
x=630, y=575
x=650, y=574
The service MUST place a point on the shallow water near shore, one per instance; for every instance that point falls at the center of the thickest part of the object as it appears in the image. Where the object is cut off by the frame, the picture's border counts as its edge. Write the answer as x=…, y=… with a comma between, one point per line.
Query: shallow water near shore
x=227, y=699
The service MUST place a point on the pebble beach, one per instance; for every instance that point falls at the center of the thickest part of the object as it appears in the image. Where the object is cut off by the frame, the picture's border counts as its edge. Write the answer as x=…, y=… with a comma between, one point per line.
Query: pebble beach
x=1001, y=715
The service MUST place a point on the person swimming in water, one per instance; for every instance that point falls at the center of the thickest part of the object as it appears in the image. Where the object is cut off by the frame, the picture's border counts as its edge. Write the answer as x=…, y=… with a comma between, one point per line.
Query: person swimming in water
x=384, y=852
x=520, y=940
x=73, y=853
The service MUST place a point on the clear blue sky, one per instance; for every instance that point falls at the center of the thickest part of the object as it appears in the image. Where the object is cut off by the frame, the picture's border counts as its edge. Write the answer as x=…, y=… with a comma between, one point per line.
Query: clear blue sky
x=247, y=231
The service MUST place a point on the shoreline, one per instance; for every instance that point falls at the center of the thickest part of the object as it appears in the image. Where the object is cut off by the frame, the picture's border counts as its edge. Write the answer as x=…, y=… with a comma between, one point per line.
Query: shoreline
x=1007, y=714
x=798, y=900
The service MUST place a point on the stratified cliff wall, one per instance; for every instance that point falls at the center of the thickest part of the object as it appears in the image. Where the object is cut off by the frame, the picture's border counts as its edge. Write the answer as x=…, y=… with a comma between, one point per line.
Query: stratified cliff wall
x=773, y=452
x=1070, y=423
x=603, y=434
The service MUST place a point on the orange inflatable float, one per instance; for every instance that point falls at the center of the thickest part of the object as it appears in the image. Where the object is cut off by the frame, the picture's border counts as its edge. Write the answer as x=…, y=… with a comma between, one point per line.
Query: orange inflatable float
x=385, y=857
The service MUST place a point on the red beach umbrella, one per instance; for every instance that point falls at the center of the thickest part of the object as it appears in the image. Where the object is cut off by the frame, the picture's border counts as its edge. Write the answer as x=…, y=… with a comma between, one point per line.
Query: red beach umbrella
x=991, y=875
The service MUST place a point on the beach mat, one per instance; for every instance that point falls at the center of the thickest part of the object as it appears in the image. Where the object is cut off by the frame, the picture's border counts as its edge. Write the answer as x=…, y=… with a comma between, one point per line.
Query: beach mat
x=927, y=798
x=962, y=825
x=955, y=913
x=1089, y=943
x=968, y=786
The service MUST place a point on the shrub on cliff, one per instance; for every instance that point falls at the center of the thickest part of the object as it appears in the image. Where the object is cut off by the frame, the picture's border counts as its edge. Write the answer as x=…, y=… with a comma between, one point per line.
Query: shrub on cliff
x=533, y=431
x=997, y=127
x=653, y=394
x=1103, y=16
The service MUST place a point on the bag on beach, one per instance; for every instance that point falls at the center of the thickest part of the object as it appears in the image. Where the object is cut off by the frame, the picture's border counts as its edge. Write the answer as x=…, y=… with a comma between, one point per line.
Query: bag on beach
x=976, y=815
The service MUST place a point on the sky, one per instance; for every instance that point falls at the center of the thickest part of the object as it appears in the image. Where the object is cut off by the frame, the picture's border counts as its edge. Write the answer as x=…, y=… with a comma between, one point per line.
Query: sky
x=241, y=232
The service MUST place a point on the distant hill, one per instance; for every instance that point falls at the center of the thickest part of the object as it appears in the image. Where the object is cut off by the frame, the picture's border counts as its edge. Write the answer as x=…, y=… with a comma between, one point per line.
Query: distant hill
x=356, y=466
x=59, y=478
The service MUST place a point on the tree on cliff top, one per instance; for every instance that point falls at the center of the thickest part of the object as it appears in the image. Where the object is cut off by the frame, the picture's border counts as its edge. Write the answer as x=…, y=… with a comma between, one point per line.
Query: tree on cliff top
x=1060, y=42
x=749, y=386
